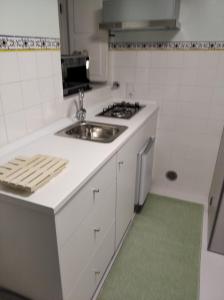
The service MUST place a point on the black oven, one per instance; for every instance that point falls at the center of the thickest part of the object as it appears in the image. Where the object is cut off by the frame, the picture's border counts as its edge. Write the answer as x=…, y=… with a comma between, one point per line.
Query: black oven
x=75, y=73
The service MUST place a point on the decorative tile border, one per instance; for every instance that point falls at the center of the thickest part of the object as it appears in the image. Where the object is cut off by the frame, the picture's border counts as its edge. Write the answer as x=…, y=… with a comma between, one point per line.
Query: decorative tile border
x=25, y=43
x=165, y=45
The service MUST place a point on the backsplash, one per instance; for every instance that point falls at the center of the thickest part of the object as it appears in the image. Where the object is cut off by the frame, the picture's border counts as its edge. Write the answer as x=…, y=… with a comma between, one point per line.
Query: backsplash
x=189, y=87
x=30, y=92
x=168, y=45
x=9, y=42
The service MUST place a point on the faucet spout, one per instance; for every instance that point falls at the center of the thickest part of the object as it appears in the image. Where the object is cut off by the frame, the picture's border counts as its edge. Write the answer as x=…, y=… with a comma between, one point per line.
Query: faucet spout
x=80, y=110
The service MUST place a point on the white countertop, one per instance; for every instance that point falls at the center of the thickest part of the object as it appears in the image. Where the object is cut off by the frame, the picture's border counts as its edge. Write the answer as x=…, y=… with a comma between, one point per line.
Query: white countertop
x=85, y=157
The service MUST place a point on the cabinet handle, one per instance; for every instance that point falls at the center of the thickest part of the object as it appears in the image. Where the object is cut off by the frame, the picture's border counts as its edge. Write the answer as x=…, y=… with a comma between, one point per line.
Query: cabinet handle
x=98, y=229
x=97, y=272
x=120, y=163
x=96, y=191
x=211, y=201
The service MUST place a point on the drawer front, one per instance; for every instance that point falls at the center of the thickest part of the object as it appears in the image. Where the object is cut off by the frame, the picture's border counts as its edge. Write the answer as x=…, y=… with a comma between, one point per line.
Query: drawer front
x=104, y=255
x=104, y=212
x=77, y=251
x=89, y=279
x=70, y=217
x=75, y=254
x=85, y=286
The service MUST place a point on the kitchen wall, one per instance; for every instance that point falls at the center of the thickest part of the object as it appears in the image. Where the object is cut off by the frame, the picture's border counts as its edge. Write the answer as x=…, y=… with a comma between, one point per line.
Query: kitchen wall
x=188, y=85
x=189, y=88
x=29, y=18
x=31, y=95
x=201, y=20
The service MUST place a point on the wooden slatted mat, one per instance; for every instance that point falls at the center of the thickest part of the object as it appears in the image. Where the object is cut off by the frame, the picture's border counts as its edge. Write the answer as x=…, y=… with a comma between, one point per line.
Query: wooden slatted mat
x=29, y=174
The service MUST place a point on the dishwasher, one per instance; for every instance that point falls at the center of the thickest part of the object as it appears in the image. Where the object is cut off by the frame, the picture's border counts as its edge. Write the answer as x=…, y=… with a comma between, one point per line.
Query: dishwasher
x=144, y=173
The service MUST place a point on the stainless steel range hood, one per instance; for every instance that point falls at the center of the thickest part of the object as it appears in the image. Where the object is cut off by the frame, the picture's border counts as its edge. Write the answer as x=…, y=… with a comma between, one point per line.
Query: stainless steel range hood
x=121, y=15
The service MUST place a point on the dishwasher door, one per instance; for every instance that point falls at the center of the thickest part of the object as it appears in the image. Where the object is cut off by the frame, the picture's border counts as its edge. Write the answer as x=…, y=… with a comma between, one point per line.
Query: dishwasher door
x=144, y=173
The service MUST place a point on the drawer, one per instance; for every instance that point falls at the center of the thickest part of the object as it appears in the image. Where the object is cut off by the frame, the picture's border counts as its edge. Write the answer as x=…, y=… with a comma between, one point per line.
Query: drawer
x=77, y=251
x=104, y=212
x=73, y=213
x=83, y=285
x=104, y=255
x=75, y=254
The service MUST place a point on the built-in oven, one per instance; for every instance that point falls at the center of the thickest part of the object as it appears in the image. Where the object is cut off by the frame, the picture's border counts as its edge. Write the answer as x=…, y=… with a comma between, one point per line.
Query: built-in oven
x=75, y=73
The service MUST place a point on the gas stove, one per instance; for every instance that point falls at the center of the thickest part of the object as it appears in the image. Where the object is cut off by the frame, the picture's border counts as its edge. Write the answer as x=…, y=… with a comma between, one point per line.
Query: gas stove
x=121, y=110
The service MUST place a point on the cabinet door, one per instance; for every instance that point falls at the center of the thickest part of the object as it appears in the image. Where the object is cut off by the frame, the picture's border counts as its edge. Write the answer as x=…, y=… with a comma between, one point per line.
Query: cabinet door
x=126, y=180
x=126, y=176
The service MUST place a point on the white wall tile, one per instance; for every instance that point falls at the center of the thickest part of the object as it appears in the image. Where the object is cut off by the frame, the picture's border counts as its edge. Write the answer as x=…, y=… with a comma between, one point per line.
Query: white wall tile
x=208, y=60
x=142, y=91
x=219, y=77
x=189, y=87
x=29, y=83
x=188, y=76
x=158, y=59
x=58, y=86
x=124, y=74
x=44, y=64
x=15, y=125
x=11, y=96
x=34, y=118
x=28, y=65
x=206, y=76
x=166, y=122
x=31, y=93
x=143, y=59
x=141, y=75
x=47, y=89
x=195, y=93
x=218, y=94
x=198, y=109
x=191, y=59
x=9, y=67
x=162, y=76
x=215, y=126
x=125, y=58
x=158, y=76
x=3, y=136
x=174, y=59
x=56, y=62
x=217, y=110
x=170, y=107
x=50, y=112
x=1, y=108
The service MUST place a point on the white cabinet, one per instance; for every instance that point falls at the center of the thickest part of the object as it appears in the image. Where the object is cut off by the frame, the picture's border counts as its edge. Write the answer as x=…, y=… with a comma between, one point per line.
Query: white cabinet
x=64, y=256
x=126, y=176
x=85, y=226
x=84, y=18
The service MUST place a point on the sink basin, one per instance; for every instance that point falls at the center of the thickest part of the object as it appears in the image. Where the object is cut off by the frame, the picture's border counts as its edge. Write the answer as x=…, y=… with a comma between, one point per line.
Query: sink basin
x=93, y=131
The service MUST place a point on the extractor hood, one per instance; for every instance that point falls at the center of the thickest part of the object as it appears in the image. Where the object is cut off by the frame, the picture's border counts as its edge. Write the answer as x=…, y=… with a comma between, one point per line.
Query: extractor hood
x=140, y=15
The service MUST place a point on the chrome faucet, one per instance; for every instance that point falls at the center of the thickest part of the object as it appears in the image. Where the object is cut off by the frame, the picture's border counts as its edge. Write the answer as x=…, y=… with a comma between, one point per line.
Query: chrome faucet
x=80, y=110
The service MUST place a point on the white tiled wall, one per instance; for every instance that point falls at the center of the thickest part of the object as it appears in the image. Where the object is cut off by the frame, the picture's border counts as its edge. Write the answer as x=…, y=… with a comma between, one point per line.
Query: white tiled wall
x=30, y=92
x=31, y=95
x=189, y=87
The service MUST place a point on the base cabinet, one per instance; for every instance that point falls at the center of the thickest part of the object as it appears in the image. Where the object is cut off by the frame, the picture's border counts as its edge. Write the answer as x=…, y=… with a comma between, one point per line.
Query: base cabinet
x=64, y=256
x=126, y=176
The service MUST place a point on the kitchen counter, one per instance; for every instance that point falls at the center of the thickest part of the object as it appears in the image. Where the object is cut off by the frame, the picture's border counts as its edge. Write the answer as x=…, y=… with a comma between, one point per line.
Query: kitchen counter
x=85, y=157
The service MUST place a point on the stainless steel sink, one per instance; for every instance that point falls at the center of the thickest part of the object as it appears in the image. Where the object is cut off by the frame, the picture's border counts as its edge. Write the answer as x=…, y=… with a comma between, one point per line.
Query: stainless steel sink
x=93, y=131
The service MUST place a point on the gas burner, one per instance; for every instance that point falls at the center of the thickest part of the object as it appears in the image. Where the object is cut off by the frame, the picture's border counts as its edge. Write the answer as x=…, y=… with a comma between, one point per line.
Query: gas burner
x=121, y=110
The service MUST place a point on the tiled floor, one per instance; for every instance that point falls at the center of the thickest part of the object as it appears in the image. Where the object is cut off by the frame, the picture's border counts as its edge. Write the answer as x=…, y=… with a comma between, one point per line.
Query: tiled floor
x=212, y=271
